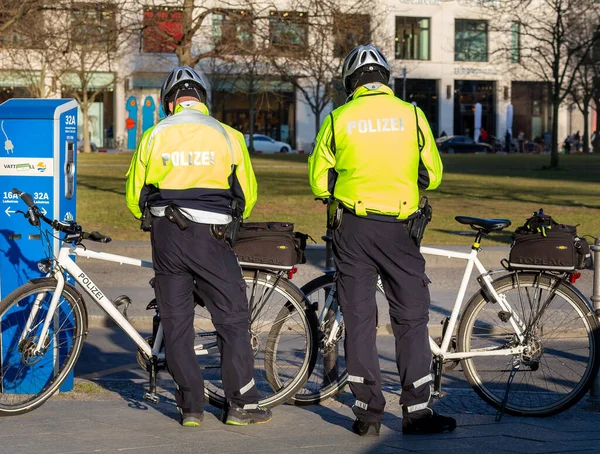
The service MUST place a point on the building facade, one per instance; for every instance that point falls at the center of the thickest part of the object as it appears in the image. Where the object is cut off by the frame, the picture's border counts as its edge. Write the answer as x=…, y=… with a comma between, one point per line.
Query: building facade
x=443, y=56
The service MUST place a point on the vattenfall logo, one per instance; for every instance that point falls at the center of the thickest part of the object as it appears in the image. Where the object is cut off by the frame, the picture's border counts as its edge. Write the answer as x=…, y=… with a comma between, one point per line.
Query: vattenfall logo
x=41, y=167
x=19, y=167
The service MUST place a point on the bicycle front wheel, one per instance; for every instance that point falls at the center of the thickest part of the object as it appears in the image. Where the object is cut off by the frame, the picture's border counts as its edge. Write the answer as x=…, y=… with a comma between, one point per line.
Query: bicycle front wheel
x=27, y=378
x=560, y=353
x=281, y=337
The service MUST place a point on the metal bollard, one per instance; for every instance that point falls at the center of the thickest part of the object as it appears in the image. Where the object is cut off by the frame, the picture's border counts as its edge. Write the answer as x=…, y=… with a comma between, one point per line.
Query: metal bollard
x=593, y=402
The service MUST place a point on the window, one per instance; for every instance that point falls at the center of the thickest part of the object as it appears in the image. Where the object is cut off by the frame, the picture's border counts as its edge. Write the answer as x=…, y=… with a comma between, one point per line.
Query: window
x=412, y=38
x=94, y=26
x=163, y=29
x=232, y=31
x=288, y=31
x=515, y=42
x=470, y=40
x=349, y=31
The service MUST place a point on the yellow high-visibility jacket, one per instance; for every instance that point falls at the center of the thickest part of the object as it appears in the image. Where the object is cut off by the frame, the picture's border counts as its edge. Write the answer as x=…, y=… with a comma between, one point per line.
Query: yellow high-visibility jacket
x=371, y=155
x=193, y=161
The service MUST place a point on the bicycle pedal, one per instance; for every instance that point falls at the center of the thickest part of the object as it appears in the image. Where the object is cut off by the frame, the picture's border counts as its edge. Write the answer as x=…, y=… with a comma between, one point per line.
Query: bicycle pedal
x=151, y=397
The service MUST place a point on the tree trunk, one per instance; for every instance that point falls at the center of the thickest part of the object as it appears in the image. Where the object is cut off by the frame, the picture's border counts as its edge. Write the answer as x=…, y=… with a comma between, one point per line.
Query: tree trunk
x=554, y=152
x=184, y=51
x=596, y=145
x=251, y=114
x=317, y=120
x=586, y=125
x=87, y=148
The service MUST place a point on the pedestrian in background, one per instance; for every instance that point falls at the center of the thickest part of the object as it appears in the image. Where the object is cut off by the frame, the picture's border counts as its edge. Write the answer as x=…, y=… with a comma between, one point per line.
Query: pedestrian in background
x=372, y=155
x=483, y=135
x=521, y=142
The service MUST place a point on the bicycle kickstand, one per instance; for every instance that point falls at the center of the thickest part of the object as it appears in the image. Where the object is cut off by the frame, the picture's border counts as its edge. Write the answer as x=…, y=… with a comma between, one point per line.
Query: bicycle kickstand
x=515, y=366
x=437, y=378
x=151, y=395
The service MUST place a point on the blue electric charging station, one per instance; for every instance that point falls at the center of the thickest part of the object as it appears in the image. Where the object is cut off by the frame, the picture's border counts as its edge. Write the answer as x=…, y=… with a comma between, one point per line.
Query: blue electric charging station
x=38, y=150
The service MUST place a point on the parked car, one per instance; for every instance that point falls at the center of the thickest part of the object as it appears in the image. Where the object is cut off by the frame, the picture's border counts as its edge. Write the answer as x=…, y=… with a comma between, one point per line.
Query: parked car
x=93, y=146
x=461, y=144
x=264, y=144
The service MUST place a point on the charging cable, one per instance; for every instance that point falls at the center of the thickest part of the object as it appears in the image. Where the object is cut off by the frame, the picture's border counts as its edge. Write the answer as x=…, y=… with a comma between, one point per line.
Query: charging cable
x=8, y=145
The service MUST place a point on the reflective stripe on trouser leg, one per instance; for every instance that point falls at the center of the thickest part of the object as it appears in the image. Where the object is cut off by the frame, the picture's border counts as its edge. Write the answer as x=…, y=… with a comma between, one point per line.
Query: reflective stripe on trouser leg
x=420, y=382
x=356, y=285
x=419, y=410
x=366, y=407
x=247, y=387
x=355, y=379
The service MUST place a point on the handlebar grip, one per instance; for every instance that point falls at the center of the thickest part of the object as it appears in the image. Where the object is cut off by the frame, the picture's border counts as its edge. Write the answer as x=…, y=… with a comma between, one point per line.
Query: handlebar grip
x=25, y=197
x=97, y=236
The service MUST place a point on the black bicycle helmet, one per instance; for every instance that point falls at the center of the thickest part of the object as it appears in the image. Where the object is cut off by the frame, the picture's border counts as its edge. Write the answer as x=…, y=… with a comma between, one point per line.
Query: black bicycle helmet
x=363, y=59
x=181, y=79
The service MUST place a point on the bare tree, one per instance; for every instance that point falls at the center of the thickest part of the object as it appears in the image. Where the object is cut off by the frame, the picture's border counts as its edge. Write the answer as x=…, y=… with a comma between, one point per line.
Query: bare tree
x=548, y=48
x=170, y=27
x=241, y=67
x=309, y=41
x=14, y=15
x=22, y=43
x=76, y=44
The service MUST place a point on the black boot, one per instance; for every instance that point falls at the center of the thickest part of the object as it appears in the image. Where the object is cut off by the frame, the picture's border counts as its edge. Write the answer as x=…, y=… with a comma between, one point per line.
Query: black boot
x=428, y=424
x=365, y=428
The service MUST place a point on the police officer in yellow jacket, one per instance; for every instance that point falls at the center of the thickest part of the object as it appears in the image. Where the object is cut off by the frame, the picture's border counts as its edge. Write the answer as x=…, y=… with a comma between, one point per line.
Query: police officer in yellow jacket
x=372, y=155
x=190, y=170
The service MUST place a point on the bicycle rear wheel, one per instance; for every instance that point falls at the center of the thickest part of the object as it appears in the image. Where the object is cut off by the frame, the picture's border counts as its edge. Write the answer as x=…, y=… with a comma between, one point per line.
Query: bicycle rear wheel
x=281, y=336
x=561, y=340
x=28, y=379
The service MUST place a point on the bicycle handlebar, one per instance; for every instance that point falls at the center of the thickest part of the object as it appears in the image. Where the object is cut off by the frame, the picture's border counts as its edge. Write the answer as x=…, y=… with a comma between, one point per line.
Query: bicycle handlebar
x=73, y=231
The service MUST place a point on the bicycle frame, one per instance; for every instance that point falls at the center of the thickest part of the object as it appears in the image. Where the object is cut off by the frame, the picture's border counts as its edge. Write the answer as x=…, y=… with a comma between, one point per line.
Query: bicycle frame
x=66, y=264
x=472, y=261
x=442, y=351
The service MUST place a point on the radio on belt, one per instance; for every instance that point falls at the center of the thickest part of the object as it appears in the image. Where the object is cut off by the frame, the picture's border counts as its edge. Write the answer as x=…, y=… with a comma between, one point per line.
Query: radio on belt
x=38, y=151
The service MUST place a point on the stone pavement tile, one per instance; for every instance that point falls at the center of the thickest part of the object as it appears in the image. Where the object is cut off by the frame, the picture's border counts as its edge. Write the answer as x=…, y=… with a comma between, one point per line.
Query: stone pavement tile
x=427, y=443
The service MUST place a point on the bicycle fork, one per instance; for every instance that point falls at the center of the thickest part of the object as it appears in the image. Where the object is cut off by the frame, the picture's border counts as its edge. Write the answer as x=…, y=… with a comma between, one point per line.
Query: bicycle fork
x=41, y=343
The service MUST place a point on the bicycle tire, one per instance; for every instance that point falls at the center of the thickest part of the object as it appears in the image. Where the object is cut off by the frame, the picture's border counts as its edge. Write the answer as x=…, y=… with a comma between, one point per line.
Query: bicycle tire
x=24, y=387
x=281, y=366
x=324, y=381
x=566, y=335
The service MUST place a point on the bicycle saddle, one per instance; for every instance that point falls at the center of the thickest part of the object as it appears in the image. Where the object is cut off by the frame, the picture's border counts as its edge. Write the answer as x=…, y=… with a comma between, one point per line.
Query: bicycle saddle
x=489, y=225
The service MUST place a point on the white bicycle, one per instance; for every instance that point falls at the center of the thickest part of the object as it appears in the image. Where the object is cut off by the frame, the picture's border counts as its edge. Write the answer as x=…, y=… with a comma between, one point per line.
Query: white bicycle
x=43, y=325
x=527, y=340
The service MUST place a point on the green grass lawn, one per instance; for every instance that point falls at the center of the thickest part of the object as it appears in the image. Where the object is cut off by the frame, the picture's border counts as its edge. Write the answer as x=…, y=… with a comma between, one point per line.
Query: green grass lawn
x=503, y=186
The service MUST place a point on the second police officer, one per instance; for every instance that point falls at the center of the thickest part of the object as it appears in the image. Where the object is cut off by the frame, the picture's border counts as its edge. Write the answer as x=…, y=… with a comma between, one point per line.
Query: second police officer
x=190, y=170
x=372, y=155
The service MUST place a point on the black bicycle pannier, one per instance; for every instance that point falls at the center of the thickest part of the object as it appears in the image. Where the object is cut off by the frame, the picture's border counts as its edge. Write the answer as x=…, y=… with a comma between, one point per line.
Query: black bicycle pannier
x=270, y=243
x=543, y=244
